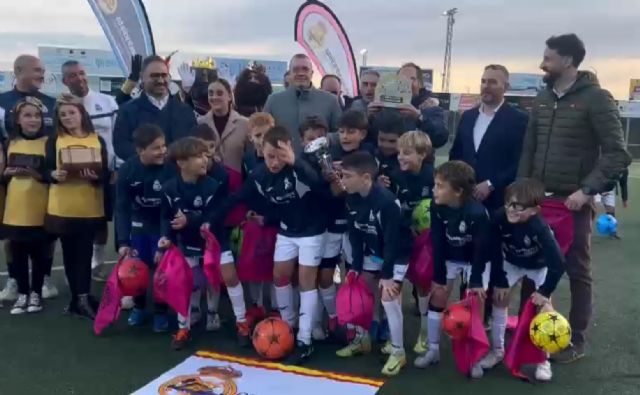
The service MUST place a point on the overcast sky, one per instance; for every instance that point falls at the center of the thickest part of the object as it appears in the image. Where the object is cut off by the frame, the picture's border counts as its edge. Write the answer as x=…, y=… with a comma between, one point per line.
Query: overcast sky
x=486, y=31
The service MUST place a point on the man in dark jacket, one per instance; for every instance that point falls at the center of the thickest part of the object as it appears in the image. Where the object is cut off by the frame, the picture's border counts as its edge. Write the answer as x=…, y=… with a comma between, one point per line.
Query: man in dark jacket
x=489, y=138
x=574, y=145
x=155, y=106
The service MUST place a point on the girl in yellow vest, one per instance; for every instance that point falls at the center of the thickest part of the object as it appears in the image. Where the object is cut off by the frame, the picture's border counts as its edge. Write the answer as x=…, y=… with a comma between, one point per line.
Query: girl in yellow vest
x=26, y=203
x=75, y=209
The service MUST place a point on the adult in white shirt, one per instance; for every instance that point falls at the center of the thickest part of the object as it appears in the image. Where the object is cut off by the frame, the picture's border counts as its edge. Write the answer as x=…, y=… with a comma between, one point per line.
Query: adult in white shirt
x=102, y=110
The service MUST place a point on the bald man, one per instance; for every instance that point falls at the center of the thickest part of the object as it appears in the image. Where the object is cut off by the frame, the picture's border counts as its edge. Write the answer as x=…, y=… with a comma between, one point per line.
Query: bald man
x=29, y=74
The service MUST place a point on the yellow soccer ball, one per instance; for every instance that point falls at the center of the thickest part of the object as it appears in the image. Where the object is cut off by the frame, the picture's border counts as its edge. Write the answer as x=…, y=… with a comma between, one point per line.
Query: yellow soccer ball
x=550, y=332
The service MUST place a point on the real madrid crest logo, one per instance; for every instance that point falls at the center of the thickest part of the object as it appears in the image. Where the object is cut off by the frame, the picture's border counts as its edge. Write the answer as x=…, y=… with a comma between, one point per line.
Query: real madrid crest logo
x=197, y=202
x=156, y=186
x=463, y=227
x=209, y=380
x=108, y=6
x=527, y=241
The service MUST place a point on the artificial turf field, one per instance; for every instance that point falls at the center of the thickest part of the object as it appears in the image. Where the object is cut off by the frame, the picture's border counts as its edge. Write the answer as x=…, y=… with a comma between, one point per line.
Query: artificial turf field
x=49, y=353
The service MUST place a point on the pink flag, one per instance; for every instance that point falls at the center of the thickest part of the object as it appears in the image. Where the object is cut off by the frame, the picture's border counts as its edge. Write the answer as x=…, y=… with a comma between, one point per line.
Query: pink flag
x=520, y=350
x=468, y=351
x=354, y=302
x=560, y=220
x=420, y=271
x=212, y=260
x=256, y=253
x=237, y=215
x=109, y=309
x=173, y=281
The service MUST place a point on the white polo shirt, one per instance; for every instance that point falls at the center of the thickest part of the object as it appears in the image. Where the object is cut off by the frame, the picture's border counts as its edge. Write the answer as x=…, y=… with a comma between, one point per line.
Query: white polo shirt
x=482, y=124
x=103, y=110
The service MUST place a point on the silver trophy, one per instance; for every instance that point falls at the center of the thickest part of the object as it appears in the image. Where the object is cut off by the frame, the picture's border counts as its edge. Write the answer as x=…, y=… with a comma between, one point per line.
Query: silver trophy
x=319, y=148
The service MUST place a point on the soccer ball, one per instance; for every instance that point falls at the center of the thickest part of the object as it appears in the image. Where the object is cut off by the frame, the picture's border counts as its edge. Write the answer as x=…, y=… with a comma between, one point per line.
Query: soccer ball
x=421, y=216
x=273, y=338
x=550, y=332
x=133, y=277
x=456, y=321
x=607, y=225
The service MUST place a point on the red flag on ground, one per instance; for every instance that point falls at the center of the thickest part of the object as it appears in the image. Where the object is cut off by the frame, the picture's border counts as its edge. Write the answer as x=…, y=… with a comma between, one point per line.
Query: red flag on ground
x=354, y=302
x=468, y=351
x=520, y=350
x=560, y=219
x=255, y=262
x=211, y=265
x=420, y=271
x=109, y=309
x=173, y=281
x=237, y=215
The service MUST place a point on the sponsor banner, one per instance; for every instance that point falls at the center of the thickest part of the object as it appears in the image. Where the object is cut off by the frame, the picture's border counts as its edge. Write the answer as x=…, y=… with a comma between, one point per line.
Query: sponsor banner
x=214, y=373
x=319, y=32
x=126, y=25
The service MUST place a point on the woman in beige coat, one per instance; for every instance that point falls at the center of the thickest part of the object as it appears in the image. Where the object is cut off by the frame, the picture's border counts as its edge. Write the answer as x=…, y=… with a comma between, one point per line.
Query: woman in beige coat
x=232, y=129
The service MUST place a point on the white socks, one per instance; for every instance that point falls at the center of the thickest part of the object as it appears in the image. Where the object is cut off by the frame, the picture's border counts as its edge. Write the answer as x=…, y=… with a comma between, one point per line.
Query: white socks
x=255, y=291
x=423, y=306
x=236, y=295
x=498, y=327
x=394, y=316
x=329, y=300
x=434, y=319
x=308, y=303
x=284, y=298
x=319, y=313
x=213, y=300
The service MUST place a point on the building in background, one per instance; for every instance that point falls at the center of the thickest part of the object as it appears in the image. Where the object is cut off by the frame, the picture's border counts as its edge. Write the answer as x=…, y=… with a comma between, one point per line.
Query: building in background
x=525, y=84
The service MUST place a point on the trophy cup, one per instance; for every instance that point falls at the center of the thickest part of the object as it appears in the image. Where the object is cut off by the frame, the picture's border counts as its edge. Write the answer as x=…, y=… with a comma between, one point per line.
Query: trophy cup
x=319, y=148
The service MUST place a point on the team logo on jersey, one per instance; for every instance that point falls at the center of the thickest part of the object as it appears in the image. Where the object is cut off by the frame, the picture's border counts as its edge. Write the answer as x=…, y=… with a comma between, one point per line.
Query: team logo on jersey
x=98, y=107
x=197, y=202
x=527, y=241
x=426, y=192
x=463, y=227
x=157, y=186
x=287, y=183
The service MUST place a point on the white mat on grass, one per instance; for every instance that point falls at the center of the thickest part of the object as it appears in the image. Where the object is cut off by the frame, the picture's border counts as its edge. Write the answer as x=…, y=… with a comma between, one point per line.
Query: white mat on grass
x=208, y=373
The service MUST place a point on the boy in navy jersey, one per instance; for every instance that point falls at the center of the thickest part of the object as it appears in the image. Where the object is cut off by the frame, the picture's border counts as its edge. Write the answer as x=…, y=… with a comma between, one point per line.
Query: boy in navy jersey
x=529, y=250
x=137, y=215
x=296, y=193
x=350, y=136
x=390, y=128
x=414, y=183
x=188, y=206
x=379, y=248
x=460, y=230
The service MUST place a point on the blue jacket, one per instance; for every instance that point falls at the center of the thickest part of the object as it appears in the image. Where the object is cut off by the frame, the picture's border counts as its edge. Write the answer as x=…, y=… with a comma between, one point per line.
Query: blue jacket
x=498, y=156
x=176, y=120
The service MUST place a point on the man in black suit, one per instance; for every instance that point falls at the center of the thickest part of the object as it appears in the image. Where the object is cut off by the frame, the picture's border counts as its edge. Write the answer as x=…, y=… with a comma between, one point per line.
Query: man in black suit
x=489, y=139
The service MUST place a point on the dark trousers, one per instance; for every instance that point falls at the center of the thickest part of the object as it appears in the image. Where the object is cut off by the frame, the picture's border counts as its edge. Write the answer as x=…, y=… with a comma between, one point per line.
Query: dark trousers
x=50, y=250
x=21, y=252
x=77, y=249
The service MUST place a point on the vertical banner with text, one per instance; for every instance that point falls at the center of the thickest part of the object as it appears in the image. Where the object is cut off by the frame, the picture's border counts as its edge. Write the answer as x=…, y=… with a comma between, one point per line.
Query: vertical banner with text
x=126, y=25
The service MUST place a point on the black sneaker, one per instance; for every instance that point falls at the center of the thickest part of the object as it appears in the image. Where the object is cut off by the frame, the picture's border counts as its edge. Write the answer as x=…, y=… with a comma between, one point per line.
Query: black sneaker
x=569, y=354
x=72, y=308
x=302, y=353
x=85, y=307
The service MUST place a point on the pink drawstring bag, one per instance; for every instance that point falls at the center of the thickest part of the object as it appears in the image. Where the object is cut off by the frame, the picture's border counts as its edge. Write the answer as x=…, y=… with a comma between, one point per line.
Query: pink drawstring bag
x=173, y=281
x=520, y=350
x=237, y=215
x=255, y=262
x=109, y=309
x=468, y=351
x=560, y=220
x=211, y=265
x=420, y=271
x=354, y=302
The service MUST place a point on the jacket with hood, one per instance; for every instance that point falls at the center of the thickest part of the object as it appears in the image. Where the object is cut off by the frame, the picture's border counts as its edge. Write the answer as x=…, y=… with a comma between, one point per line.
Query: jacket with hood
x=575, y=141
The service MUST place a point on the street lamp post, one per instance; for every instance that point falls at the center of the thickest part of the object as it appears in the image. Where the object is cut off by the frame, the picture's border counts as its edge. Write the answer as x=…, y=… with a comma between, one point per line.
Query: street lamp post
x=364, y=53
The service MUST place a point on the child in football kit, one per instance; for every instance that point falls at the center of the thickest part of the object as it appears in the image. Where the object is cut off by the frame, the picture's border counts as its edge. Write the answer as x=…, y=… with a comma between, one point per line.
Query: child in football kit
x=380, y=250
x=390, y=128
x=530, y=250
x=188, y=206
x=137, y=212
x=295, y=191
x=414, y=183
x=460, y=230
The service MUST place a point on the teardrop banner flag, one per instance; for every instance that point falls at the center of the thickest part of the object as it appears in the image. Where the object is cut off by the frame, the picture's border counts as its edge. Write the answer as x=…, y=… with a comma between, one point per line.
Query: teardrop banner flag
x=126, y=25
x=320, y=33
